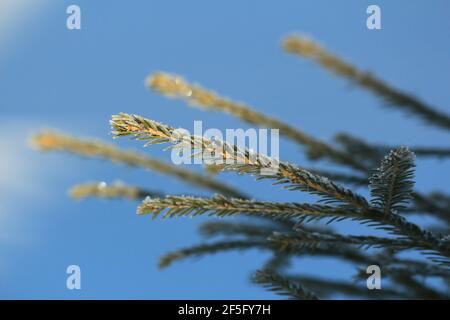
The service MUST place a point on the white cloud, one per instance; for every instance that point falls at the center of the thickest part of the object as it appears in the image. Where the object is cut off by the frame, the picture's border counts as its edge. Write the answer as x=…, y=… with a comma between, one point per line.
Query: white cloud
x=19, y=178
x=16, y=14
x=26, y=185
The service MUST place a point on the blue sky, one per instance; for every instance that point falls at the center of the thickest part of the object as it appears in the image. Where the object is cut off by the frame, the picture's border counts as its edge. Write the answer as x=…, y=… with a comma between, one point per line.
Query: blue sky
x=51, y=77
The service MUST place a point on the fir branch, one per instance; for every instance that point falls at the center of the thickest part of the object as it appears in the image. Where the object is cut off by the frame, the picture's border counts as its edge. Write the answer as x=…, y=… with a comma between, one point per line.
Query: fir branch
x=335, y=250
x=176, y=206
x=174, y=86
x=225, y=245
x=344, y=178
x=278, y=261
x=391, y=188
x=423, y=204
x=220, y=206
x=437, y=204
x=211, y=248
x=231, y=157
x=431, y=205
x=411, y=267
x=432, y=245
x=51, y=141
x=407, y=281
x=441, y=198
x=282, y=285
x=420, y=290
x=395, y=264
x=385, y=258
x=427, y=151
x=372, y=153
x=114, y=190
x=326, y=288
x=402, y=271
x=302, y=239
x=244, y=161
x=365, y=152
x=212, y=169
x=344, y=253
x=215, y=228
x=307, y=48
x=391, y=185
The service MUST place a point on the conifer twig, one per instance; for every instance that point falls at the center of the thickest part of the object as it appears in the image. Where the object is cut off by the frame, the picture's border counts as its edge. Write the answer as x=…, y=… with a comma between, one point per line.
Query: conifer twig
x=327, y=287
x=307, y=48
x=358, y=147
x=179, y=206
x=303, y=239
x=344, y=178
x=407, y=281
x=411, y=267
x=424, y=204
x=391, y=186
x=278, y=261
x=286, y=232
x=139, y=127
x=210, y=248
x=154, y=132
x=49, y=141
x=220, y=206
x=365, y=151
x=283, y=285
x=236, y=159
x=114, y=190
x=214, y=228
x=176, y=87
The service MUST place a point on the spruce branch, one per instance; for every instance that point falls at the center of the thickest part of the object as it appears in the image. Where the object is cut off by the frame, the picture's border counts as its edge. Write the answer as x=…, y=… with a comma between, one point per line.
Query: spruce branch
x=344, y=178
x=212, y=169
x=433, y=204
x=430, y=243
x=285, y=233
x=360, y=149
x=403, y=273
x=278, y=262
x=409, y=283
x=423, y=203
x=411, y=267
x=344, y=253
x=282, y=285
x=179, y=206
x=233, y=158
x=428, y=151
x=215, y=228
x=302, y=239
x=177, y=87
x=296, y=178
x=363, y=258
x=220, y=206
x=281, y=256
x=114, y=190
x=51, y=141
x=211, y=248
x=325, y=288
x=307, y=48
x=372, y=153
x=262, y=244
x=391, y=185
x=421, y=290
x=174, y=86
x=441, y=198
